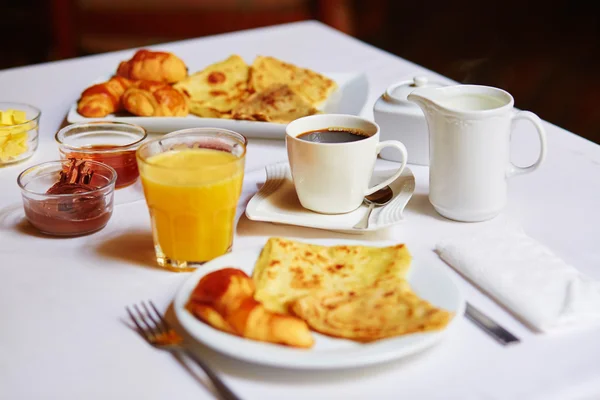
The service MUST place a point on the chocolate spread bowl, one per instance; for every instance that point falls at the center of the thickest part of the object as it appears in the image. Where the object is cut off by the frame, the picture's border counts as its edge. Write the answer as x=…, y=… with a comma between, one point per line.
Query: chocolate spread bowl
x=68, y=197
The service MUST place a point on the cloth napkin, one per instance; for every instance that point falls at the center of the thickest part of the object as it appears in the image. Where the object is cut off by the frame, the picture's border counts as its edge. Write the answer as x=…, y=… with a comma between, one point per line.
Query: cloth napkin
x=525, y=277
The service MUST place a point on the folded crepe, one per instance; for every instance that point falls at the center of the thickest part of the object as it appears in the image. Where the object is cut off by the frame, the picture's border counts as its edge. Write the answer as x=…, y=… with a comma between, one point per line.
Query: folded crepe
x=370, y=313
x=310, y=85
x=278, y=103
x=217, y=89
x=288, y=270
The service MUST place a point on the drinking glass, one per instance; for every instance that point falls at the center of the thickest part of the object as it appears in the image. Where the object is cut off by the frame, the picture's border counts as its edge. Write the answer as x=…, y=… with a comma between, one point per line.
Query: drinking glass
x=192, y=182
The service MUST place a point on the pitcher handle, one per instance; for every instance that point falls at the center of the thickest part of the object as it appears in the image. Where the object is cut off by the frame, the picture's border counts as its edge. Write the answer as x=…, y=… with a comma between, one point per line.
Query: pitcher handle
x=513, y=169
x=398, y=146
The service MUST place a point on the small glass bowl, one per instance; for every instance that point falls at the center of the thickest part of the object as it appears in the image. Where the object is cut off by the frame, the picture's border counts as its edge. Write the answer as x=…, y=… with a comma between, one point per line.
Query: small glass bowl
x=18, y=142
x=67, y=214
x=112, y=143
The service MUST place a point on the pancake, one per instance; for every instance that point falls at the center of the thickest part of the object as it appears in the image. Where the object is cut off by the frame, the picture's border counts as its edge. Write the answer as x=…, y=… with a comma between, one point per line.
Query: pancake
x=288, y=270
x=218, y=88
x=277, y=103
x=372, y=313
x=312, y=86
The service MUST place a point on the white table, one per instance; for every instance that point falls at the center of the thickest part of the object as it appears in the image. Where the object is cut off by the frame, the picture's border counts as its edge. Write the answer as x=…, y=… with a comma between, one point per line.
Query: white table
x=61, y=300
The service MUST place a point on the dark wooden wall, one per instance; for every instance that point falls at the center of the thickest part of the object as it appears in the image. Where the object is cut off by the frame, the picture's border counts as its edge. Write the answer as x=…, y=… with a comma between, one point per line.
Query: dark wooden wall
x=546, y=53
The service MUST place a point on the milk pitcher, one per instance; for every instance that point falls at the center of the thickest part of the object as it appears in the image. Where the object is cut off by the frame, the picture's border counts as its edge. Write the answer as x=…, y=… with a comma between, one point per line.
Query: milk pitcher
x=469, y=148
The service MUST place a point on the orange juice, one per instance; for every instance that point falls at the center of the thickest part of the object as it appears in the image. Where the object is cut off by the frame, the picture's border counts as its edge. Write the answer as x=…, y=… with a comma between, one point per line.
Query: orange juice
x=192, y=195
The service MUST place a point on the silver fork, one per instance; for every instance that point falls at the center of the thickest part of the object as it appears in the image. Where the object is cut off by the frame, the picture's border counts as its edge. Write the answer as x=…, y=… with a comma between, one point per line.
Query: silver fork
x=160, y=335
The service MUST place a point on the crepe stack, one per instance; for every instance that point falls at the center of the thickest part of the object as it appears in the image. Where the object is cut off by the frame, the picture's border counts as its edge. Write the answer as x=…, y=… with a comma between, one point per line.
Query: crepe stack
x=353, y=292
x=269, y=90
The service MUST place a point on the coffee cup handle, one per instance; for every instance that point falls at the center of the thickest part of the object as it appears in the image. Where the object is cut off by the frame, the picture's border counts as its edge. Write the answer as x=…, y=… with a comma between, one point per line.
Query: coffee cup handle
x=513, y=169
x=398, y=146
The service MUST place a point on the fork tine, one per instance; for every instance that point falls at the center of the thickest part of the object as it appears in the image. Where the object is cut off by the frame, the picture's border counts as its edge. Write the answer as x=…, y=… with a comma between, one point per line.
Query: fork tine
x=144, y=320
x=159, y=329
x=135, y=321
x=165, y=325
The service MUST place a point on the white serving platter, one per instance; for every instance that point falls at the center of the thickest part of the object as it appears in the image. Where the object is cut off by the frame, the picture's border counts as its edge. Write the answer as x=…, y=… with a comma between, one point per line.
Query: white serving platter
x=349, y=98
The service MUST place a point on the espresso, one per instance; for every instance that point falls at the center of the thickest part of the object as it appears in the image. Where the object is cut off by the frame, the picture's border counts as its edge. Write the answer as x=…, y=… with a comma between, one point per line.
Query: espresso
x=333, y=135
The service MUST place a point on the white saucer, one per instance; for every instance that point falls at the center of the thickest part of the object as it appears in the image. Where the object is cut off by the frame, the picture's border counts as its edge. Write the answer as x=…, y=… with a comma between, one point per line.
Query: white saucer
x=277, y=202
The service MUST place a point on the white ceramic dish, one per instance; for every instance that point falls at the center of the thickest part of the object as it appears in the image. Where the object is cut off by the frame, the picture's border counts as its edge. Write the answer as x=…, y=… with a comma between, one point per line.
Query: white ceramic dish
x=432, y=282
x=350, y=98
x=403, y=120
x=277, y=202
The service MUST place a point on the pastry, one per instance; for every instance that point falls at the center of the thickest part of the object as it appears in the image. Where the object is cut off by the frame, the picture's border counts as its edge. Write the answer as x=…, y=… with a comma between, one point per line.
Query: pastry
x=154, y=99
x=155, y=66
x=102, y=99
x=224, y=299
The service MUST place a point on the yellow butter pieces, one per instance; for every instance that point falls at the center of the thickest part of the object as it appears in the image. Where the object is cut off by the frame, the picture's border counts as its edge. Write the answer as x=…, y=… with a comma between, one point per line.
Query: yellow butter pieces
x=12, y=117
x=13, y=134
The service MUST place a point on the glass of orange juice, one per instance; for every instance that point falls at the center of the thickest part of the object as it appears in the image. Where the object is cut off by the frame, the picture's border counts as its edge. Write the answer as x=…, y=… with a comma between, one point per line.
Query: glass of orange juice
x=192, y=182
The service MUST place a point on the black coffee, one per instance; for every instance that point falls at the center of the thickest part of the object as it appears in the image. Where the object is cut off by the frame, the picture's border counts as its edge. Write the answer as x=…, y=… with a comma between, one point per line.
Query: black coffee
x=337, y=135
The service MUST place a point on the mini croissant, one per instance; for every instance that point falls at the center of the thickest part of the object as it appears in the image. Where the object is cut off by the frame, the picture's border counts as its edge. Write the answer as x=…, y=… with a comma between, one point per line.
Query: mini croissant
x=102, y=99
x=224, y=299
x=154, y=66
x=154, y=99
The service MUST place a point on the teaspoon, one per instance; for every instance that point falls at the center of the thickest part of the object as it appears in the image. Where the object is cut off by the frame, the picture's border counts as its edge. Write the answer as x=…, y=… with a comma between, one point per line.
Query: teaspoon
x=379, y=198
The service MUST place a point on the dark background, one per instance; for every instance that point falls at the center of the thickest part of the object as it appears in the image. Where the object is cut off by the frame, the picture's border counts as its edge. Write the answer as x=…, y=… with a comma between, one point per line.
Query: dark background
x=545, y=53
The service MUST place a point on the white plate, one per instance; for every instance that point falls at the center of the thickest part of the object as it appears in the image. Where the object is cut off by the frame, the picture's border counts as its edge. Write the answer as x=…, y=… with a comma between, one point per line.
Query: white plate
x=350, y=98
x=432, y=282
x=277, y=202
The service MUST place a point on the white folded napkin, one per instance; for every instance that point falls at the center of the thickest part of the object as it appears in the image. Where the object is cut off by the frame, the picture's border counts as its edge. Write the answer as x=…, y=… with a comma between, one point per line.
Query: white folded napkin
x=525, y=277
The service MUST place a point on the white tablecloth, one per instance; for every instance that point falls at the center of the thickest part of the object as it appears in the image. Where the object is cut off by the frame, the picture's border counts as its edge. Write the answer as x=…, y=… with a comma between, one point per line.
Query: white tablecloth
x=61, y=300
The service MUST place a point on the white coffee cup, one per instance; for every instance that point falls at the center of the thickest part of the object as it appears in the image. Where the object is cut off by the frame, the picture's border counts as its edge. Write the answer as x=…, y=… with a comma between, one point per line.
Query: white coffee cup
x=333, y=178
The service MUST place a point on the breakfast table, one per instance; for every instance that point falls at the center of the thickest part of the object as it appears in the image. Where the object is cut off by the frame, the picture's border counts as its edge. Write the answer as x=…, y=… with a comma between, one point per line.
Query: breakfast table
x=65, y=334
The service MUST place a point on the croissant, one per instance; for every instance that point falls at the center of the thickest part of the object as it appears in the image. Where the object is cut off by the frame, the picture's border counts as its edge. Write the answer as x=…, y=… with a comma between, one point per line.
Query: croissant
x=155, y=99
x=153, y=66
x=102, y=99
x=224, y=299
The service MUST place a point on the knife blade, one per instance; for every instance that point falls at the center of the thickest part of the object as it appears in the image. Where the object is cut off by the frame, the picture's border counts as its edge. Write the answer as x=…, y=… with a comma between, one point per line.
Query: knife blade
x=490, y=326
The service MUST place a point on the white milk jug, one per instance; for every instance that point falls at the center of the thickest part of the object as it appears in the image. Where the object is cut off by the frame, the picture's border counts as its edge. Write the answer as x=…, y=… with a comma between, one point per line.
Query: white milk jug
x=469, y=148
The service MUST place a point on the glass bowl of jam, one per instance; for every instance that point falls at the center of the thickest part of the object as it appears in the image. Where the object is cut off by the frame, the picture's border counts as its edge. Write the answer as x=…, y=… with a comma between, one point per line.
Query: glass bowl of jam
x=111, y=143
x=19, y=125
x=68, y=197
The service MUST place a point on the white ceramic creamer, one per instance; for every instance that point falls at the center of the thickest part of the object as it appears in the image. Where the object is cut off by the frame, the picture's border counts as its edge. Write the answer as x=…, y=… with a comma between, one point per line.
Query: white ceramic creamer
x=469, y=148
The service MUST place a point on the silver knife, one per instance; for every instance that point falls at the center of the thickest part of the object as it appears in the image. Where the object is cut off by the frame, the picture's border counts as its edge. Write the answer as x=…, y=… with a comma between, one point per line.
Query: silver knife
x=490, y=326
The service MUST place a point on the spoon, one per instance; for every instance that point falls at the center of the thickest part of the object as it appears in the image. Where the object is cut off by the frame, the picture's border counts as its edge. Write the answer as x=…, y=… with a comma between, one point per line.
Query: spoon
x=379, y=198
